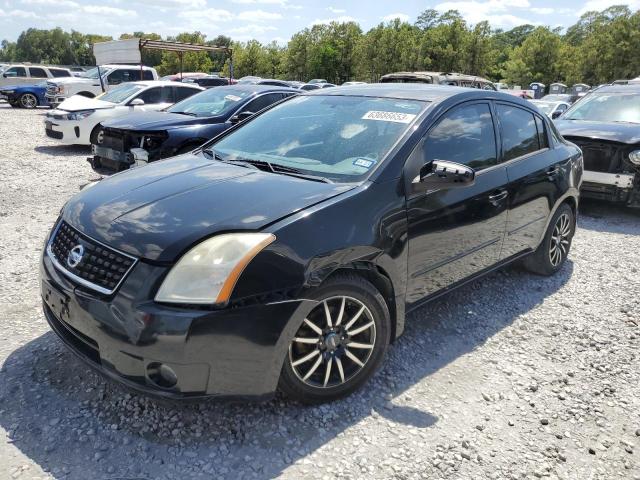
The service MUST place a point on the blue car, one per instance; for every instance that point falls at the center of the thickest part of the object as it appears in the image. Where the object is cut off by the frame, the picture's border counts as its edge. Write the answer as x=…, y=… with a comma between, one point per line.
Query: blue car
x=25, y=96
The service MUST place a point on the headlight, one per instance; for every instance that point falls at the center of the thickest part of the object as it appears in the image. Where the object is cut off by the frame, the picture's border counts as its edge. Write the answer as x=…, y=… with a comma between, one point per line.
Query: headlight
x=59, y=89
x=634, y=157
x=208, y=272
x=79, y=115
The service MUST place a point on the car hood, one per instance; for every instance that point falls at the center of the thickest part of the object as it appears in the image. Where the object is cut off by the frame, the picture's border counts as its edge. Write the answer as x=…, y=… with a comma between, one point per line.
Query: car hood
x=76, y=80
x=158, y=121
x=79, y=102
x=158, y=211
x=628, y=133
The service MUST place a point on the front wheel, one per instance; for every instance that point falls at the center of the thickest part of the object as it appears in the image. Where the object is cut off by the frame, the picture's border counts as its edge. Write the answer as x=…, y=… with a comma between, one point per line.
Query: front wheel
x=340, y=343
x=554, y=249
x=28, y=100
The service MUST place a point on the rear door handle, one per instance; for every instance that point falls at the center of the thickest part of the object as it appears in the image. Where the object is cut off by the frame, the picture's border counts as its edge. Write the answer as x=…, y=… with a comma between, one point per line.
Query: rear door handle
x=498, y=197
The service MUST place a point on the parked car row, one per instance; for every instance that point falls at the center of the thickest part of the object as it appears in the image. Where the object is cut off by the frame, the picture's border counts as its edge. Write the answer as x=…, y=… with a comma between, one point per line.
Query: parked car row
x=285, y=251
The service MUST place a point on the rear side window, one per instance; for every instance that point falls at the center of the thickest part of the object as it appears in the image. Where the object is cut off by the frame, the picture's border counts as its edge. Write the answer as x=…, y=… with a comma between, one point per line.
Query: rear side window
x=156, y=95
x=519, y=131
x=262, y=102
x=37, y=72
x=182, y=93
x=465, y=135
x=542, y=133
x=147, y=75
x=58, y=72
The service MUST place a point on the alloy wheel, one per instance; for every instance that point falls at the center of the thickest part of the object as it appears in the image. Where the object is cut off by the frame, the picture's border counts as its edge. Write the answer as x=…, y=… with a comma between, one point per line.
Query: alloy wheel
x=334, y=343
x=28, y=100
x=560, y=239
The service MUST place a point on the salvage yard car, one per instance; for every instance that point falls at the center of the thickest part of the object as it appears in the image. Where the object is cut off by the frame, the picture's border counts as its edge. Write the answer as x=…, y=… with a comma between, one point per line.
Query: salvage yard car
x=286, y=251
x=605, y=124
x=439, y=78
x=96, y=81
x=25, y=96
x=552, y=109
x=150, y=136
x=30, y=74
x=76, y=121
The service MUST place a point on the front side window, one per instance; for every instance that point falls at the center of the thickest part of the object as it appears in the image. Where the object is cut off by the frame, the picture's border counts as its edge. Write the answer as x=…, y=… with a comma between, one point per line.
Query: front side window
x=466, y=135
x=342, y=138
x=156, y=95
x=37, y=72
x=519, y=132
x=217, y=101
x=606, y=107
x=16, y=72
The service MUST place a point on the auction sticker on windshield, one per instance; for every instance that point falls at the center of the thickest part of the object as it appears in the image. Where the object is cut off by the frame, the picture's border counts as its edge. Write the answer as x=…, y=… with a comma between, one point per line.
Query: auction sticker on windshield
x=397, y=117
x=233, y=98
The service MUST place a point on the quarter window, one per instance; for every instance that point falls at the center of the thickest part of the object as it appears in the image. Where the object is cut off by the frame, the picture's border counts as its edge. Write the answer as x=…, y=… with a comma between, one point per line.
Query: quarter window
x=542, y=133
x=465, y=135
x=37, y=72
x=156, y=95
x=519, y=132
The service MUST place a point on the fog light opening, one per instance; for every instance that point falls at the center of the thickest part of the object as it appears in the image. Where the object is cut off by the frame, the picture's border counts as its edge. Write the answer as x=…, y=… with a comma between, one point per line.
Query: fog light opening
x=162, y=375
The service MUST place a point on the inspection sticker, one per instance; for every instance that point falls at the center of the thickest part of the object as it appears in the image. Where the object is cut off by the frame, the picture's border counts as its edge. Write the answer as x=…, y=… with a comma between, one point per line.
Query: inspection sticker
x=363, y=162
x=397, y=117
x=233, y=98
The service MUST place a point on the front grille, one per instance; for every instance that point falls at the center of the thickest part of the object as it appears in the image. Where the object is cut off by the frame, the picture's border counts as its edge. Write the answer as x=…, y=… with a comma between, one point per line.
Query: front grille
x=99, y=267
x=114, y=139
x=53, y=134
x=601, y=156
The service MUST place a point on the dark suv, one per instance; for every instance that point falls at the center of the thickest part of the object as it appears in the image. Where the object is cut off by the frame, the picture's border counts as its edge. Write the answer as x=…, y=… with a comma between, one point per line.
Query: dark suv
x=286, y=251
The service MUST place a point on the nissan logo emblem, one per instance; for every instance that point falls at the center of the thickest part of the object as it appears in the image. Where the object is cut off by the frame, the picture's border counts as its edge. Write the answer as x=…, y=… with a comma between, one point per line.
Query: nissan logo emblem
x=75, y=256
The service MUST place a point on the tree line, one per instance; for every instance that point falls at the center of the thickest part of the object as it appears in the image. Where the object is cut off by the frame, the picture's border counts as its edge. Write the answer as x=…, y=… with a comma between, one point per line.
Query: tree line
x=601, y=47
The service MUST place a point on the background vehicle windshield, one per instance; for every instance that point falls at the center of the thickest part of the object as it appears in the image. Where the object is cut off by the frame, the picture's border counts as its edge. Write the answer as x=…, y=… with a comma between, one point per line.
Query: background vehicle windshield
x=545, y=107
x=121, y=93
x=211, y=102
x=607, y=107
x=93, y=73
x=337, y=137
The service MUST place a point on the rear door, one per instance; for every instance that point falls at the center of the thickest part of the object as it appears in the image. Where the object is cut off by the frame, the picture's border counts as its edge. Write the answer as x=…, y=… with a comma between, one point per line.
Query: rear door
x=537, y=175
x=455, y=233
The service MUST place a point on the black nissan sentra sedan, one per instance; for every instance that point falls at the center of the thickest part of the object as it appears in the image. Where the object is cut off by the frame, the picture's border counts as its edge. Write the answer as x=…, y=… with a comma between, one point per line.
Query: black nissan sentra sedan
x=286, y=252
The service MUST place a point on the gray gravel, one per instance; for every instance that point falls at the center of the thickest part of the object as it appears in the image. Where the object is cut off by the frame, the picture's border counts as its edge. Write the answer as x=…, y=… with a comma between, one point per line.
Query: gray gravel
x=514, y=376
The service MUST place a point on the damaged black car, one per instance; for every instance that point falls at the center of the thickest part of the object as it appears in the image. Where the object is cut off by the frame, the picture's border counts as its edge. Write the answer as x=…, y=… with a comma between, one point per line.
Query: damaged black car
x=606, y=126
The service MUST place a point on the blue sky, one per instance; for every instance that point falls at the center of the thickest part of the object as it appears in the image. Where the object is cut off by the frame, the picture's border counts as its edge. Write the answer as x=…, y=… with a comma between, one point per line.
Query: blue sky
x=268, y=20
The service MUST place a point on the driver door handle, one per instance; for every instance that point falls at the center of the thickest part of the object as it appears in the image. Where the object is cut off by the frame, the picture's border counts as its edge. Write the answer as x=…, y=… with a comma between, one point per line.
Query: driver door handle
x=498, y=196
x=553, y=171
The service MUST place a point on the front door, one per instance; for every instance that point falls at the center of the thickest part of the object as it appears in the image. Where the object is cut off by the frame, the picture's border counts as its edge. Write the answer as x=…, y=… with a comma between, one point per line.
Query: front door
x=456, y=232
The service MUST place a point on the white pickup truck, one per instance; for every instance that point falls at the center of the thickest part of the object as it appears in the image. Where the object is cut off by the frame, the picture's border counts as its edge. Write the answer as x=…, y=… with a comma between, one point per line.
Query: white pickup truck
x=89, y=85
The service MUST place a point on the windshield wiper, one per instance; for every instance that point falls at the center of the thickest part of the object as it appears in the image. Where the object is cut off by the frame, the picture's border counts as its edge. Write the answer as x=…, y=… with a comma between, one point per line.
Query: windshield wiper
x=266, y=166
x=191, y=114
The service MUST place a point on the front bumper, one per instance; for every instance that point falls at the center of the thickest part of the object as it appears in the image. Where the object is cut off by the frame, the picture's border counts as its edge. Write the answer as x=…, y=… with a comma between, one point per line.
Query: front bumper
x=69, y=132
x=231, y=353
x=54, y=100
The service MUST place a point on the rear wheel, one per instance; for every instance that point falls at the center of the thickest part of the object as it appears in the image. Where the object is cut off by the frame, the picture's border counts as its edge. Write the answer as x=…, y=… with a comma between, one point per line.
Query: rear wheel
x=28, y=100
x=554, y=249
x=340, y=343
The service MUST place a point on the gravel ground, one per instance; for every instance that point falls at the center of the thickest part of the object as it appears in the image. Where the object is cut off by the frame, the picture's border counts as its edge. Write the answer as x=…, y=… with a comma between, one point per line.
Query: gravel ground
x=513, y=376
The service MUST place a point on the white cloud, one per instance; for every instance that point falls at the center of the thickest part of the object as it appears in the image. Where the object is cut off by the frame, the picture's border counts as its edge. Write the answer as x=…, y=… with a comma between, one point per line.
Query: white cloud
x=109, y=11
x=207, y=15
x=475, y=11
x=336, y=10
x=542, y=10
x=56, y=3
x=173, y=3
x=600, y=5
x=258, y=16
x=403, y=17
x=281, y=3
x=18, y=14
x=326, y=21
x=252, y=29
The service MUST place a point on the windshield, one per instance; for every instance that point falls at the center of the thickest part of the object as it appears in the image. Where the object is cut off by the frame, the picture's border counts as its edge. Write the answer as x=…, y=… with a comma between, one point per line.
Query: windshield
x=337, y=137
x=545, y=107
x=93, y=73
x=211, y=102
x=121, y=93
x=607, y=107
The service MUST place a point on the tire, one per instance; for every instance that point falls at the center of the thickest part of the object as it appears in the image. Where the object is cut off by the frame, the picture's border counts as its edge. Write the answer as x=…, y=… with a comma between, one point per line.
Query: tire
x=28, y=100
x=371, y=327
x=547, y=260
x=93, y=136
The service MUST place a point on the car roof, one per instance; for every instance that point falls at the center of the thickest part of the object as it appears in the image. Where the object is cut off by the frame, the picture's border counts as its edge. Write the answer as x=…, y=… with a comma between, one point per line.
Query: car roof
x=250, y=87
x=414, y=91
x=630, y=88
x=116, y=65
x=164, y=83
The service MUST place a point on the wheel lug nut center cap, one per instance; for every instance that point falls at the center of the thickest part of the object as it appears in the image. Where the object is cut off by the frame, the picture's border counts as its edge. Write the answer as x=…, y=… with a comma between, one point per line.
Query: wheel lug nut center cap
x=332, y=341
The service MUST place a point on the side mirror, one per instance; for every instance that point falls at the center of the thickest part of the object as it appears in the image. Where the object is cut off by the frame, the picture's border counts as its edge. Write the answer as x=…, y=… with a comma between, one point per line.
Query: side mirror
x=240, y=117
x=556, y=114
x=136, y=101
x=445, y=174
